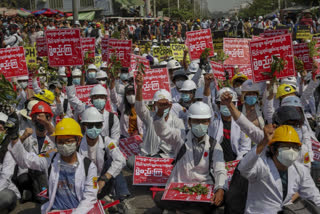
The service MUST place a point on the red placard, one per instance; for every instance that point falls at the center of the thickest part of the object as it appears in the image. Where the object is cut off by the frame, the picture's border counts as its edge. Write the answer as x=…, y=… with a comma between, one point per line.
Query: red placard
x=130, y=146
x=64, y=47
x=257, y=37
x=83, y=93
x=244, y=69
x=218, y=70
x=122, y=49
x=97, y=209
x=104, y=49
x=197, y=41
x=317, y=46
x=152, y=171
x=230, y=167
x=271, y=33
x=261, y=52
x=237, y=50
x=315, y=149
x=174, y=195
x=88, y=44
x=134, y=59
x=13, y=62
x=301, y=51
x=154, y=80
x=42, y=48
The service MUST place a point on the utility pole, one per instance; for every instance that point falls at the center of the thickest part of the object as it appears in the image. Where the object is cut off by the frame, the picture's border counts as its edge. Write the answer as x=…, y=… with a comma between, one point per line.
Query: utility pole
x=279, y=4
x=169, y=7
x=147, y=7
x=178, y=4
x=75, y=10
x=154, y=9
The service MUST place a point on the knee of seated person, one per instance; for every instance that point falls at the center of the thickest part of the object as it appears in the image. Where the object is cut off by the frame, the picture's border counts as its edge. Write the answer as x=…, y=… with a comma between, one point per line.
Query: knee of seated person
x=8, y=199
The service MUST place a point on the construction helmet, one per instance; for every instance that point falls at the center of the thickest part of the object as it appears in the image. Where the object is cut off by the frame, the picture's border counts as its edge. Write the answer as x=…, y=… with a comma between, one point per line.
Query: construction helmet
x=92, y=67
x=193, y=67
x=238, y=76
x=26, y=112
x=291, y=101
x=188, y=85
x=163, y=63
x=285, y=133
x=46, y=96
x=173, y=64
x=233, y=93
x=290, y=81
x=41, y=107
x=76, y=72
x=284, y=89
x=162, y=94
x=155, y=61
x=199, y=110
x=67, y=126
x=98, y=90
x=104, y=65
x=91, y=115
x=23, y=78
x=101, y=74
x=62, y=71
x=249, y=86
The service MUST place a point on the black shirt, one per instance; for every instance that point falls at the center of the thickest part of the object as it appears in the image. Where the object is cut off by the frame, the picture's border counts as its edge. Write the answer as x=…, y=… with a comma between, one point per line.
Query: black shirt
x=228, y=153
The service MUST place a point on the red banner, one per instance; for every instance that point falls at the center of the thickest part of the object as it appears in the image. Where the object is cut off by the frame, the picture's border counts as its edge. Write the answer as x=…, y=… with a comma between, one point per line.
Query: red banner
x=230, y=167
x=218, y=70
x=135, y=59
x=244, y=69
x=64, y=47
x=42, y=48
x=104, y=49
x=174, y=195
x=97, y=209
x=301, y=51
x=130, y=146
x=317, y=46
x=122, y=49
x=13, y=62
x=261, y=52
x=197, y=41
x=88, y=44
x=316, y=150
x=271, y=33
x=83, y=93
x=152, y=171
x=154, y=80
x=237, y=50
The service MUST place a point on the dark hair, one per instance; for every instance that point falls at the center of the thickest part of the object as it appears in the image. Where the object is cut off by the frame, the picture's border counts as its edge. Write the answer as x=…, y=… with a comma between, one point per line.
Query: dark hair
x=272, y=148
x=127, y=106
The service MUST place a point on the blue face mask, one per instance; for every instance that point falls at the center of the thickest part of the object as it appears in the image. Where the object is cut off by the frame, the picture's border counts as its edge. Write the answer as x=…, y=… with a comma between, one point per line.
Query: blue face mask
x=93, y=133
x=76, y=81
x=65, y=79
x=24, y=85
x=199, y=130
x=225, y=111
x=251, y=100
x=99, y=103
x=185, y=97
x=124, y=76
x=92, y=75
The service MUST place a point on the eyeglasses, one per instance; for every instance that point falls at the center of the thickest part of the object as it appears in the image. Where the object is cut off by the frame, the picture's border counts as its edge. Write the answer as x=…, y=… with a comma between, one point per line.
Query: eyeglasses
x=91, y=125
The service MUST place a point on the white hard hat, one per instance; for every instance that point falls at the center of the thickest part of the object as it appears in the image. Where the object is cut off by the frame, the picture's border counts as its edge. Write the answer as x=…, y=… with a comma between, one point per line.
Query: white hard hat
x=155, y=41
x=98, y=90
x=260, y=17
x=92, y=67
x=22, y=78
x=291, y=101
x=155, y=61
x=193, y=67
x=61, y=70
x=76, y=72
x=162, y=94
x=77, y=22
x=221, y=91
x=104, y=65
x=3, y=117
x=249, y=86
x=294, y=42
x=199, y=93
x=144, y=55
x=101, y=74
x=188, y=85
x=136, y=50
x=91, y=115
x=26, y=112
x=199, y=110
x=290, y=81
x=173, y=64
x=163, y=63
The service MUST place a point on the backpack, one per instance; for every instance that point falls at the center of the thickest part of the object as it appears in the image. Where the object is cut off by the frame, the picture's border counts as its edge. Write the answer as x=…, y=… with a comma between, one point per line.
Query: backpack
x=111, y=122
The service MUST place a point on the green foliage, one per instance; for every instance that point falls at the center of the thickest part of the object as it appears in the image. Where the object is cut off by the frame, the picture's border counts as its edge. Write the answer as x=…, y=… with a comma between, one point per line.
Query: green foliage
x=116, y=35
x=7, y=93
x=114, y=66
x=180, y=14
x=277, y=65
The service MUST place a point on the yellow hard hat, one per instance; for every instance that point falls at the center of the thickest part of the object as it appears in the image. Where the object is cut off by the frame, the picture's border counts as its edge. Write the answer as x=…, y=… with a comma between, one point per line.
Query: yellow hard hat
x=284, y=89
x=198, y=20
x=68, y=126
x=286, y=134
x=239, y=76
x=45, y=95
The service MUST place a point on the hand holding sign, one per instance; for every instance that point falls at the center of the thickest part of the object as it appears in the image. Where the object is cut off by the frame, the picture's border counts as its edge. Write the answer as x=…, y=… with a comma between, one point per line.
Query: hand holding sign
x=218, y=197
x=139, y=79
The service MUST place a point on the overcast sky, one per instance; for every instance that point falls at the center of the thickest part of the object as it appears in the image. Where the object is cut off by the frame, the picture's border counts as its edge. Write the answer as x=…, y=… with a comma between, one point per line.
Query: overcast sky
x=222, y=5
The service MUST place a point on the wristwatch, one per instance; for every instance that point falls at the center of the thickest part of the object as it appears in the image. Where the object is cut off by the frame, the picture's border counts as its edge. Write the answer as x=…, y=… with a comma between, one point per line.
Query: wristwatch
x=103, y=178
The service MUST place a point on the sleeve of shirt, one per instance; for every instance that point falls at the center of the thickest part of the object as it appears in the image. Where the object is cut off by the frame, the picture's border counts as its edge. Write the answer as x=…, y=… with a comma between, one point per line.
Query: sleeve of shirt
x=245, y=145
x=308, y=92
x=74, y=101
x=142, y=111
x=115, y=130
x=219, y=168
x=7, y=171
x=256, y=135
x=9, y=40
x=114, y=98
x=118, y=160
x=35, y=86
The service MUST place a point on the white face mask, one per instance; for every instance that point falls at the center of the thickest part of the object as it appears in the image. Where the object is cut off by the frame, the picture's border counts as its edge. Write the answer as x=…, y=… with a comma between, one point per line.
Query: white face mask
x=102, y=82
x=66, y=150
x=131, y=99
x=286, y=156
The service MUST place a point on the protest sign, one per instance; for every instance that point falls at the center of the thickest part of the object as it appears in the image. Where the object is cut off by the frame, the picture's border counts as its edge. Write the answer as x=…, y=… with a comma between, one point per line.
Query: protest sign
x=243, y=69
x=162, y=52
x=97, y=209
x=303, y=32
x=64, y=47
x=83, y=93
x=271, y=33
x=261, y=52
x=217, y=39
x=197, y=41
x=230, y=167
x=237, y=50
x=31, y=55
x=135, y=59
x=178, y=52
x=317, y=46
x=130, y=146
x=152, y=171
x=218, y=70
x=104, y=49
x=88, y=45
x=122, y=49
x=97, y=61
x=13, y=62
x=154, y=80
x=174, y=195
x=301, y=51
x=315, y=149
x=41, y=44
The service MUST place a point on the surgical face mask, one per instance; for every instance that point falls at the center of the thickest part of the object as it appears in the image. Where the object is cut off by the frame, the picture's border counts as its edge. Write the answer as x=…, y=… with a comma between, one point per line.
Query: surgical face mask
x=23, y=85
x=93, y=133
x=65, y=79
x=67, y=150
x=131, y=99
x=251, y=100
x=165, y=112
x=102, y=82
x=225, y=111
x=179, y=83
x=185, y=97
x=124, y=76
x=238, y=91
x=99, y=103
x=92, y=75
x=286, y=156
x=198, y=129
x=76, y=81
